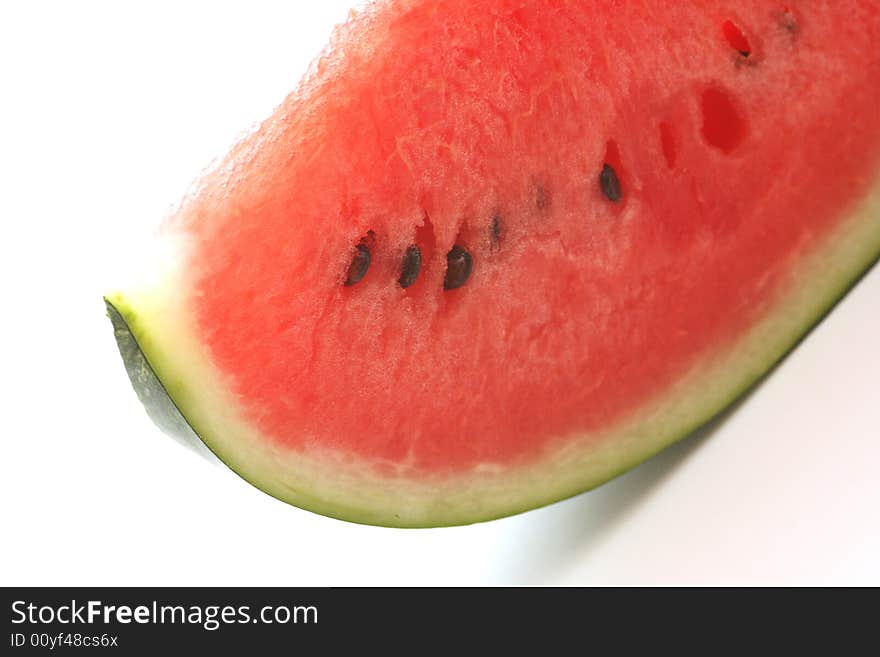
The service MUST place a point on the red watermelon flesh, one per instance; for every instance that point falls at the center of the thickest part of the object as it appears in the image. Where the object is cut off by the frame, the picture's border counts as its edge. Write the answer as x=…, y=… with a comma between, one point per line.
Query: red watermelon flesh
x=488, y=255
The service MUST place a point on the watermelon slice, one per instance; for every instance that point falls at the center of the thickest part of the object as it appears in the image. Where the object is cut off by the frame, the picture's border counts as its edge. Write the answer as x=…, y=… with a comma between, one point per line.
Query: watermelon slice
x=489, y=255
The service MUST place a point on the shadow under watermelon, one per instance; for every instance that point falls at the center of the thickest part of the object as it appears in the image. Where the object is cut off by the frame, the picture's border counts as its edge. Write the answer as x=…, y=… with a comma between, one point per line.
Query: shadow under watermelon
x=539, y=547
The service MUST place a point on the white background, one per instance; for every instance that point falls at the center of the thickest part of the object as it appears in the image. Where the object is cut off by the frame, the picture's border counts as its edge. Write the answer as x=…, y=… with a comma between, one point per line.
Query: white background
x=107, y=112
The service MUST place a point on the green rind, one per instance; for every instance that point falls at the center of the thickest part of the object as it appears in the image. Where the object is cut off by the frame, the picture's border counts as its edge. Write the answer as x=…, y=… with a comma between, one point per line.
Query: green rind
x=164, y=400
x=741, y=392
x=840, y=262
x=159, y=405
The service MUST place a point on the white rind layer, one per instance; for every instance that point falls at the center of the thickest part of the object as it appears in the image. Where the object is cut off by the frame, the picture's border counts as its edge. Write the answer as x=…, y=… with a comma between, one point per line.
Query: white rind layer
x=350, y=488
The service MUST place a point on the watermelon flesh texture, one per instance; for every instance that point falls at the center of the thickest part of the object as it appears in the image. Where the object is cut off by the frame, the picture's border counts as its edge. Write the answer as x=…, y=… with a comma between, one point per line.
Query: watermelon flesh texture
x=657, y=202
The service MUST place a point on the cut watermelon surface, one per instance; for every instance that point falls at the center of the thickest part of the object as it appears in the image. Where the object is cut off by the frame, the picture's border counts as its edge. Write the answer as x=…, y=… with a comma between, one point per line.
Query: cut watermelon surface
x=490, y=255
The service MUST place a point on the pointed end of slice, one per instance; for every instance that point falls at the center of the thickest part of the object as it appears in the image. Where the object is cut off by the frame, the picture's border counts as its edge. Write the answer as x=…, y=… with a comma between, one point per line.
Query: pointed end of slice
x=152, y=393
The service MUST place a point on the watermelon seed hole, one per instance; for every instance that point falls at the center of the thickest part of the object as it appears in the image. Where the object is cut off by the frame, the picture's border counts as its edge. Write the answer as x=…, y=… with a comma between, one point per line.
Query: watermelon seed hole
x=736, y=38
x=724, y=127
x=788, y=21
x=425, y=240
x=542, y=198
x=495, y=231
x=667, y=143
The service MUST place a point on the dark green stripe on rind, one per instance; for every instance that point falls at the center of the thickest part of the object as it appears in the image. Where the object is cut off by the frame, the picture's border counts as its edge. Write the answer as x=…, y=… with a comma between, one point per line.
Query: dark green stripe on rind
x=153, y=395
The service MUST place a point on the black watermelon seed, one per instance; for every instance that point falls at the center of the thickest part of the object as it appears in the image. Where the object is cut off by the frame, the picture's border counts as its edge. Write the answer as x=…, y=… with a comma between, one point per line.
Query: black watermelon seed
x=459, y=265
x=412, y=265
x=360, y=263
x=610, y=183
x=495, y=229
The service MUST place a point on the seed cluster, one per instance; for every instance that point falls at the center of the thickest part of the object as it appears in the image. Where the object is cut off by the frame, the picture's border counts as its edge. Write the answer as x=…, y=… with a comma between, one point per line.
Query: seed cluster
x=459, y=261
